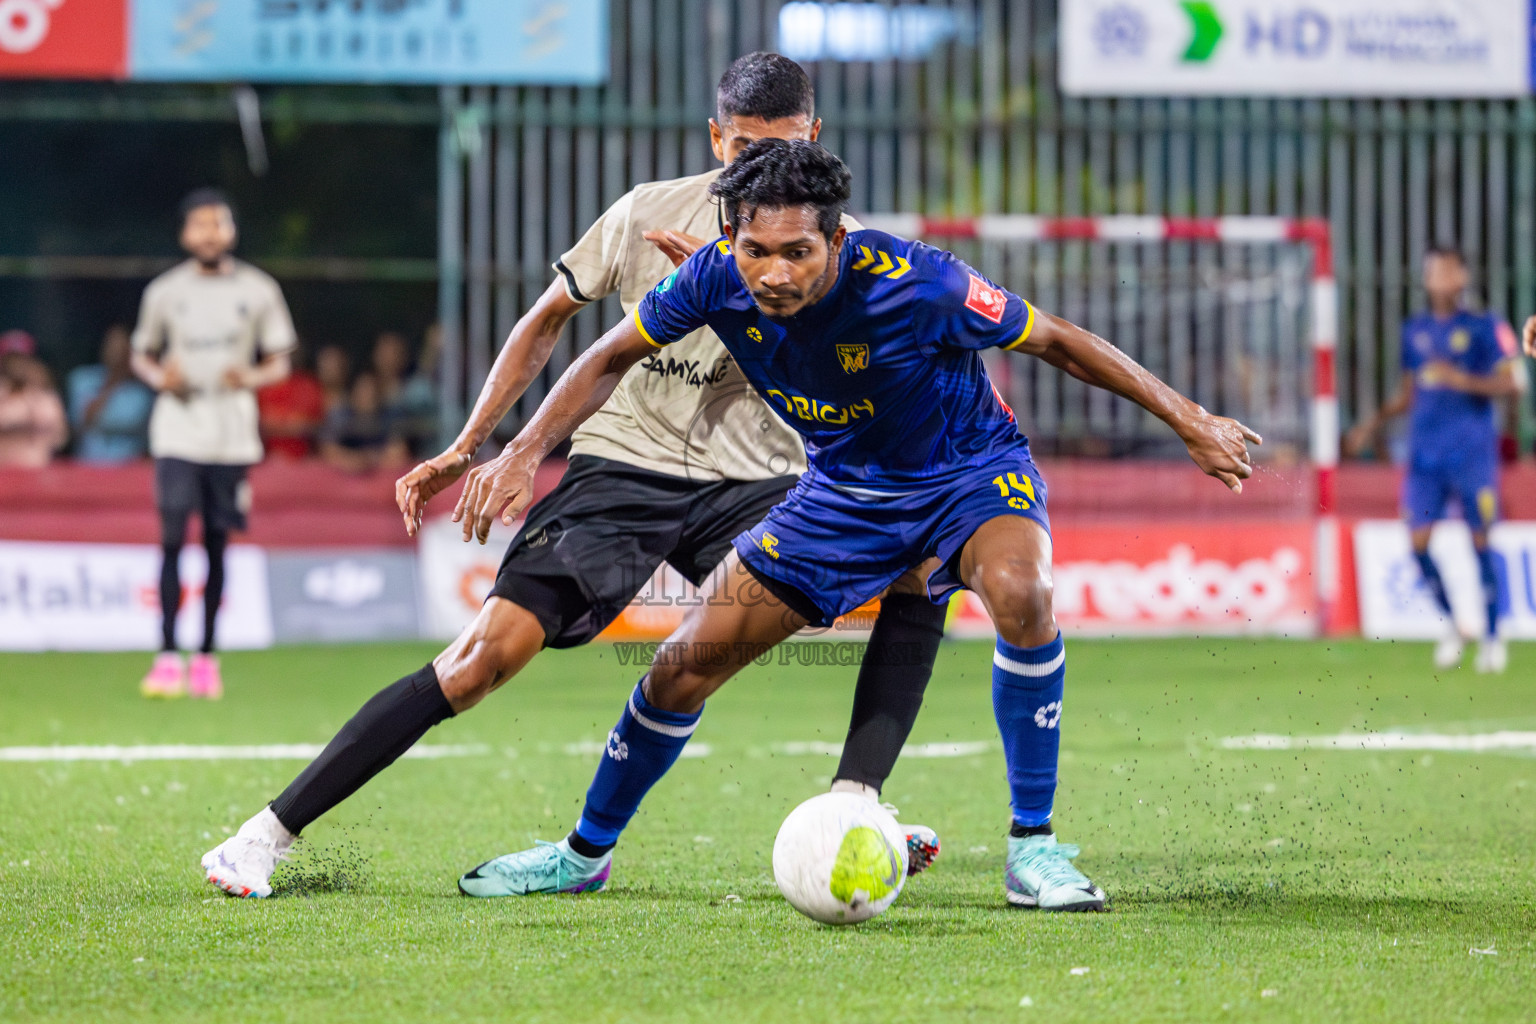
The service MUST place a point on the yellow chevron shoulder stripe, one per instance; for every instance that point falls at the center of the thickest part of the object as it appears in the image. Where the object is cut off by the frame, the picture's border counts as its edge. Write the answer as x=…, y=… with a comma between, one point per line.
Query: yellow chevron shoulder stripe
x=1029, y=325
x=905, y=266
x=724, y=246
x=869, y=258
x=643, y=332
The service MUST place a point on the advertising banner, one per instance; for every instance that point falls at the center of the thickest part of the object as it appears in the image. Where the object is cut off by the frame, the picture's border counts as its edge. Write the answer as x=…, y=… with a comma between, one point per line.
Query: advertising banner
x=1432, y=48
x=106, y=597
x=345, y=595
x=489, y=41
x=1164, y=579
x=1395, y=606
x=63, y=38
x=455, y=578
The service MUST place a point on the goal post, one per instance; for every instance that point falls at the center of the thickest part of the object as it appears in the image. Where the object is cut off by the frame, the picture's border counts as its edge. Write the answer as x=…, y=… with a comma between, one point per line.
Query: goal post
x=1311, y=235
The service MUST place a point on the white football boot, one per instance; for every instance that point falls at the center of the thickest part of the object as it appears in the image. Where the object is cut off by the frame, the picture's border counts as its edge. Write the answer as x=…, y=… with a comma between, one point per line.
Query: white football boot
x=1492, y=656
x=242, y=865
x=1448, y=649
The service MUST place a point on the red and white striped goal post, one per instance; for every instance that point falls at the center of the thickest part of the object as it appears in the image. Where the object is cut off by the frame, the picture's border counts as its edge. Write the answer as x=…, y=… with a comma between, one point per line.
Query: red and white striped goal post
x=1313, y=233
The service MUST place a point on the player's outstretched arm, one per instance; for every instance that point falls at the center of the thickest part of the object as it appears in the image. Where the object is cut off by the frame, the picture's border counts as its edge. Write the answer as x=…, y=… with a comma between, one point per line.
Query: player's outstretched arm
x=504, y=486
x=1367, y=433
x=521, y=359
x=1217, y=444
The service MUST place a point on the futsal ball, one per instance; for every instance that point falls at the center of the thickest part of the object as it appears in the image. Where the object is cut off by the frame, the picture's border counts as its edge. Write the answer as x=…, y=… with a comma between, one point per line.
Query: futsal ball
x=840, y=858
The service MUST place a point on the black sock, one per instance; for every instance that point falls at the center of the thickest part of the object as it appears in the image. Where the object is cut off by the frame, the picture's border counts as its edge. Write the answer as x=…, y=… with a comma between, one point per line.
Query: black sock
x=383, y=729
x=897, y=665
x=585, y=848
x=213, y=590
x=1020, y=831
x=170, y=594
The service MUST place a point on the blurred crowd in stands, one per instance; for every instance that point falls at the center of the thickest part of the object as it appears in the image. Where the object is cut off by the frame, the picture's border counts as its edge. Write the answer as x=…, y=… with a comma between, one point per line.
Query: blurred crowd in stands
x=377, y=415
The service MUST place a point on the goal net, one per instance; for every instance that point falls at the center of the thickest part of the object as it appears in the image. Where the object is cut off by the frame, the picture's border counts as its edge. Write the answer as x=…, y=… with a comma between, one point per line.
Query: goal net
x=1238, y=313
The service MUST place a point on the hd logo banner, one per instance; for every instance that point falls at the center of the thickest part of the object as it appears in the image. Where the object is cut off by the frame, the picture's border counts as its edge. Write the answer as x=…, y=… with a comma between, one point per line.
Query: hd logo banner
x=1438, y=48
x=490, y=41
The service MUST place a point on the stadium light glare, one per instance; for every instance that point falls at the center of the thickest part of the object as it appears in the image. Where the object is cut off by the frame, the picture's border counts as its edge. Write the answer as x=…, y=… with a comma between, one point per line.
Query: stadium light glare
x=865, y=32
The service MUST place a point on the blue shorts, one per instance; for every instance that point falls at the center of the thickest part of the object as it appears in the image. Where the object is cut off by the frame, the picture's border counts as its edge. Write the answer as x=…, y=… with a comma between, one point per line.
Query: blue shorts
x=1426, y=492
x=837, y=550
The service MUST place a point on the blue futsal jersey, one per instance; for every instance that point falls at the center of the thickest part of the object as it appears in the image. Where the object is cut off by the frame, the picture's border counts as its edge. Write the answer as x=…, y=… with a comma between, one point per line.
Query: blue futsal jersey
x=883, y=376
x=911, y=449
x=1449, y=428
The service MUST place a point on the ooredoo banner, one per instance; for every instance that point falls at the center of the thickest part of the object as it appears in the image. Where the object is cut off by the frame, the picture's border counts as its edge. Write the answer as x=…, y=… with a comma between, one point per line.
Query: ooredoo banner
x=1394, y=604
x=106, y=597
x=1174, y=578
x=1432, y=48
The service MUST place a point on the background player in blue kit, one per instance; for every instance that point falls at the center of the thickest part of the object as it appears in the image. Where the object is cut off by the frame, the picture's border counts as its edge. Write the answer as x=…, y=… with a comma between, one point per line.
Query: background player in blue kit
x=1455, y=363
x=868, y=345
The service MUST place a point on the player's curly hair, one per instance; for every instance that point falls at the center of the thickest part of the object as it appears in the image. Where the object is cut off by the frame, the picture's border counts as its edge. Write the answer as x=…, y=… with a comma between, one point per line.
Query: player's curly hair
x=776, y=173
x=765, y=85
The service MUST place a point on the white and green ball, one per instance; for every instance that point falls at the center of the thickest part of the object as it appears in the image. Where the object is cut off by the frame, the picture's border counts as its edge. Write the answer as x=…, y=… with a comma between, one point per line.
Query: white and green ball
x=840, y=858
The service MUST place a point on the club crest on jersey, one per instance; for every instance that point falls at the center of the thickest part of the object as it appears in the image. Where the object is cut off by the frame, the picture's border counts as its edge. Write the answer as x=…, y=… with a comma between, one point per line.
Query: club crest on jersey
x=853, y=358
x=1460, y=340
x=988, y=301
x=755, y=334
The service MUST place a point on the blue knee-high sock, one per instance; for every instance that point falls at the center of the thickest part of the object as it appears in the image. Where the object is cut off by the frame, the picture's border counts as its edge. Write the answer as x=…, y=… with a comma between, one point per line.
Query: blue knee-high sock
x=1489, y=572
x=1026, y=697
x=640, y=749
x=1433, y=581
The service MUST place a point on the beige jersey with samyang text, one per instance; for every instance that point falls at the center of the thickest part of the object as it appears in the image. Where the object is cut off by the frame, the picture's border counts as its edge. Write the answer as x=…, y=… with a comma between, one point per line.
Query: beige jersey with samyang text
x=208, y=324
x=686, y=411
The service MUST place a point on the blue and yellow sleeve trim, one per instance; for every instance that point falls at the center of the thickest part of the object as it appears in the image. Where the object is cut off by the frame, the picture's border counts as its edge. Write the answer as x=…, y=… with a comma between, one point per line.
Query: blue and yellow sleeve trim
x=640, y=325
x=1029, y=326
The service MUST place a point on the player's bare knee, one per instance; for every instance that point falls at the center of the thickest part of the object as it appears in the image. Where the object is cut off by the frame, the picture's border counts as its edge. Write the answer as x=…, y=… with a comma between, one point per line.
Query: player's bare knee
x=468, y=672
x=1018, y=594
x=680, y=684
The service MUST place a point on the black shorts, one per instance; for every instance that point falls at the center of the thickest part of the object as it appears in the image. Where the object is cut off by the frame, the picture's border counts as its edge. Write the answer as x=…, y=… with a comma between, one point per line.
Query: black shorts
x=593, y=542
x=218, y=494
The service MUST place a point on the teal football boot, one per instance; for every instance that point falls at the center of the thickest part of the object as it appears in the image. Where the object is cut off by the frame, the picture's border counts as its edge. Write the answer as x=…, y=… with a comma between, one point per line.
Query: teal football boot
x=547, y=868
x=1040, y=874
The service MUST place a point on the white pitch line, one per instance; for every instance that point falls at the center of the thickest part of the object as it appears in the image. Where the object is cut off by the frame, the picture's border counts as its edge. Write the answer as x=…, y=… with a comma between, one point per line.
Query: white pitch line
x=1395, y=740
x=188, y=752
x=309, y=751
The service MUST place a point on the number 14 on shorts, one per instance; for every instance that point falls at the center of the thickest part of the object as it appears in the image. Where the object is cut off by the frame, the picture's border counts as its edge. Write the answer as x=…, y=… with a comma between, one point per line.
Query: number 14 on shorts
x=1018, y=492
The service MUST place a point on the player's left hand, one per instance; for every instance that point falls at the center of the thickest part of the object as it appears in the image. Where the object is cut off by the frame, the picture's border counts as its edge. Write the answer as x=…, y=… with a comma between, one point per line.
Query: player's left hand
x=1219, y=446
x=676, y=245
x=237, y=378
x=502, y=487
x=426, y=479
x=1528, y=337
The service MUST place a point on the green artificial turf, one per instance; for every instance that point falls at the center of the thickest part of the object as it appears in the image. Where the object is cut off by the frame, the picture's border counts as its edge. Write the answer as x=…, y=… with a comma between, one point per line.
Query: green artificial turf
x=1245, y=885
